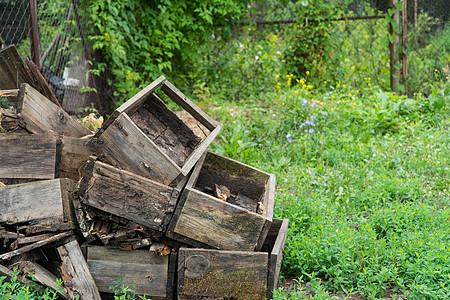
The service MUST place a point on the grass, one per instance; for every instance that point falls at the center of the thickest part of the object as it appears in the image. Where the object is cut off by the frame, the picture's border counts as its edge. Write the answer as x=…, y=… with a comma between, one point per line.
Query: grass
x=363, y=178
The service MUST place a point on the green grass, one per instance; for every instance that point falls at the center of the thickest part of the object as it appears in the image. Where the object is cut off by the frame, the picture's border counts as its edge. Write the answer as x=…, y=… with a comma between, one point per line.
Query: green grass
x=366, y=193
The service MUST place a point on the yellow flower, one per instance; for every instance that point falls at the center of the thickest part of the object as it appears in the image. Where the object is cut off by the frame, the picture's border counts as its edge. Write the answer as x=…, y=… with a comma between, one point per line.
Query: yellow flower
x=307, y=73
x=365, y=78
x=343, y=85
x=368, y=78
x=296, y=92
x=309, y=86
x=283, y=103
x=276, y=76
x=304, y=86
x=443, y=68
x=302, y=81
x=325, y=82
x=435, y=70
x=349, y=94
x=447, y=77
x=332, y=96
x=106, y=35
x=353, y=67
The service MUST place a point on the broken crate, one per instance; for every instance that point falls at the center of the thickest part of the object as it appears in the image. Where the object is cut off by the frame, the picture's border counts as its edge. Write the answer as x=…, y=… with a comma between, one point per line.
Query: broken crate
x=241, y=222
x=222, y=274
x=145, y=137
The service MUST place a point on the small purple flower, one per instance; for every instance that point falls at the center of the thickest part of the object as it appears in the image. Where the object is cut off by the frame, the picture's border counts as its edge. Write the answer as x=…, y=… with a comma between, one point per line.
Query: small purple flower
x=301, y=125
x=304, y=102
x=247, y=131
x=313, y=118
x=314, y=104
x=313, y=124
x=307, y=122
x=289, y=138
x=311, y=130
x=259, y=140
x=324, y=114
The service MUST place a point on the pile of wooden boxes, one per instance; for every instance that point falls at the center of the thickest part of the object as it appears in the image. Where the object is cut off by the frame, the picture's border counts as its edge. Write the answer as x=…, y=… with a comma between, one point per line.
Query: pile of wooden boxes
x=150, y=204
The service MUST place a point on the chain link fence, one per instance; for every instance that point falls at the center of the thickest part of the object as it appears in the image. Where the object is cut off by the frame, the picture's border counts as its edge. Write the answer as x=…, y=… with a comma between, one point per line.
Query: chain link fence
x=63, y=51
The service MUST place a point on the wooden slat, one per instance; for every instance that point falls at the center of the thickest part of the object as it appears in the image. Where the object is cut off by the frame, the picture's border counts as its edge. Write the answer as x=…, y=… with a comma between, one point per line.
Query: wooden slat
x=40, y=115
x=199, y=151
x=268, y=202
x=218, y=223
x=13, y=71
x=43, y=276
x=127, y=195
x=75, y=272
x=276, y=255
x=36, y=245
x=227, y=274
x=9, y=93
x=40, y=82
x=145, y=269
x=140, y=97
x=124, y=145
x=27, y=156
x=31, y=201
x=179, y=98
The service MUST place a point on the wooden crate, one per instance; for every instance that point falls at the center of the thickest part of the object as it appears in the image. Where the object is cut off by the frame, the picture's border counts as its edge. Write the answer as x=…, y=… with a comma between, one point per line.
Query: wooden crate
x=127, y=195
x=235, y=224
x=223, y=274
x=145, y=137
x=150, y=274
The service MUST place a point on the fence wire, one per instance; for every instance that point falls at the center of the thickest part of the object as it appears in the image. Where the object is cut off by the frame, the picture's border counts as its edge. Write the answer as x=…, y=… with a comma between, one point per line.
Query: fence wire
x=14, y=26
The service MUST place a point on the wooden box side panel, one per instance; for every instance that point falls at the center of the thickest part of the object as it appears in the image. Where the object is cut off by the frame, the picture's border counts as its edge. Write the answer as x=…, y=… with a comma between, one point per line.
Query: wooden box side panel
x=31, y=201
x=147, y=271
x=127, y=195
x=74, y=153
x=217, y=223
x=228, y=274
x=43, y=116
x=276, y=255
x=27, y=156
x=125, y=146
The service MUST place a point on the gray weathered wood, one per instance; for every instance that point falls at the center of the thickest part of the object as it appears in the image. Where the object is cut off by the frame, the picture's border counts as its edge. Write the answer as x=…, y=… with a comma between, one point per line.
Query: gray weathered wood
x=230, y=225
x=128, y=195
x=43, y=276
x=40, y=83
x=27, y=156
x=219, y=273
x=40, y=115
x=276, y=255
x=144, y=268
x=179, y=98
x=40, y=200
x=36, y=245
x=75, y=273
x=126, y=146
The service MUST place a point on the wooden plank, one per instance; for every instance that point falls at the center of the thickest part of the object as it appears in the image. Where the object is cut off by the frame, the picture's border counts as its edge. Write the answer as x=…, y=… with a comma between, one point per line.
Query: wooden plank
x=199, y=151
x=68, y=188
x=33, y=239
x=9, y=93
x=127, y=195
x=40, y=82
x=27, y=156
x=40, y=115
x=218, y=273
x=75, y=272
x=125, y=146
x=276, y=255
x=145, y=269
x=179, y=98
x=268, y=202
x=13, y=71
x=38, y=200
x=36, y=245
x=218, y=223
x=43, y=276
x=140, y=97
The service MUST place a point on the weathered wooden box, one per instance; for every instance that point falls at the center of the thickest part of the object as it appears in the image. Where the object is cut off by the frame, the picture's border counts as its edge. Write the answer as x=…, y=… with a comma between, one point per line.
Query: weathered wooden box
x=128, y=195
x=149, y=273
x=145, y=137
x=241, y=223
x=226, y=274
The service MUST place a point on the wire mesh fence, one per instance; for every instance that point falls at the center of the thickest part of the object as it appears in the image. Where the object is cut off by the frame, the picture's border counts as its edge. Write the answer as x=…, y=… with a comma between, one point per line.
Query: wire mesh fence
x=62, y=51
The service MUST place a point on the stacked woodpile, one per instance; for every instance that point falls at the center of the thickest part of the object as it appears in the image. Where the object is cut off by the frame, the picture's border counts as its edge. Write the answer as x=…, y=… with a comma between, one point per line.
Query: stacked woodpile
x=141, y=200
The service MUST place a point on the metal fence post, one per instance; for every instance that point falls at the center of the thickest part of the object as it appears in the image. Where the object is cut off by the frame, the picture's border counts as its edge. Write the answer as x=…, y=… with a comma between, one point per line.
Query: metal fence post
x=394, y=61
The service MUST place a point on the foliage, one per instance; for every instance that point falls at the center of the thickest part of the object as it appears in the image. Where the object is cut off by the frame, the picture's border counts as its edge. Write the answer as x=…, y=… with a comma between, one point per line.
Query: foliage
x=4, y=103
x=140, y=40
x=124, y=292
x=13, y=289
